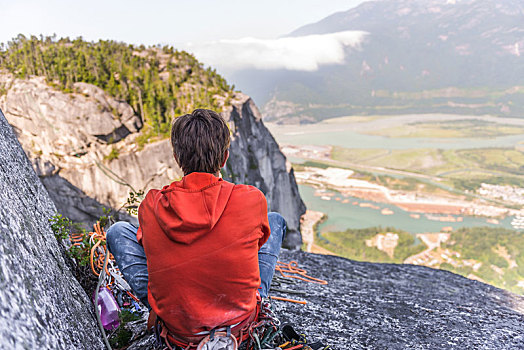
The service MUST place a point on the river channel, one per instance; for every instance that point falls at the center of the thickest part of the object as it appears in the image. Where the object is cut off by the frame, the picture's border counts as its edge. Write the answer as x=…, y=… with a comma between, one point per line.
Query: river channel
x=351, y=214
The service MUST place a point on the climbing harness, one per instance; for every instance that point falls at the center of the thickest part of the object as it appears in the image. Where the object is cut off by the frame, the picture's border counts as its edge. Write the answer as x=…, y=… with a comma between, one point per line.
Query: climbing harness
x=263, y=332
x=204, y=340
x=219, y=340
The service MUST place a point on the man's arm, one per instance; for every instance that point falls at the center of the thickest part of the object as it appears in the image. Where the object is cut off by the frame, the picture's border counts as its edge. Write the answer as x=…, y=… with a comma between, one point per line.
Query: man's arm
x=139, y=235
x=266, y=231
x=141, y=209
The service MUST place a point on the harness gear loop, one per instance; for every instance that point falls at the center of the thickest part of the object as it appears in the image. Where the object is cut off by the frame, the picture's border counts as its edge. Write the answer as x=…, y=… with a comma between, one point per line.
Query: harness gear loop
x=258, y=330
x=219, y=340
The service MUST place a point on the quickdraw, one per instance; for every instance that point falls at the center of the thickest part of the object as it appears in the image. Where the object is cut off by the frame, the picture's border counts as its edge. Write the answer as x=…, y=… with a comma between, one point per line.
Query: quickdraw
x=265, y=330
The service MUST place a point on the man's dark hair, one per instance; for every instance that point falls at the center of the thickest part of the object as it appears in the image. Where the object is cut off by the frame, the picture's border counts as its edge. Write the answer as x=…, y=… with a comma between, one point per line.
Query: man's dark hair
x=200, y=140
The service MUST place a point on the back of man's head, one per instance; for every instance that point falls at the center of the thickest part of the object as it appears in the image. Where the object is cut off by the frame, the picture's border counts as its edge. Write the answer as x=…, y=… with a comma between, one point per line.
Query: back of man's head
x=200, y=141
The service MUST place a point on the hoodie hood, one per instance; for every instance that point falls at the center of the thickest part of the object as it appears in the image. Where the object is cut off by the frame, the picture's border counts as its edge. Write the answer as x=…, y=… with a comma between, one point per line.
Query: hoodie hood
x=188, y=209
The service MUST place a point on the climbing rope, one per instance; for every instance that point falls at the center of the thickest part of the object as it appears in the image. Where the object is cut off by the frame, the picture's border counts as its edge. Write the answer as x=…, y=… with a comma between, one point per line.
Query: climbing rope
x=96, y=258
x=98, y=253
x=97, y=312
x=291, y=270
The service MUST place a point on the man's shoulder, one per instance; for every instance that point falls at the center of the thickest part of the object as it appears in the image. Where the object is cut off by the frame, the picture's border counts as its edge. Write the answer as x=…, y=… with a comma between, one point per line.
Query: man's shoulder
x=247, y=199
x=149, y=198
x=247, y=189
x=247, y=192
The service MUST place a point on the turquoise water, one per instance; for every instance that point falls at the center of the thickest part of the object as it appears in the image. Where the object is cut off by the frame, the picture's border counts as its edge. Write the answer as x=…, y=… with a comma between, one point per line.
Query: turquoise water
x=353, y=135
x=350, y=139
x=342, y=216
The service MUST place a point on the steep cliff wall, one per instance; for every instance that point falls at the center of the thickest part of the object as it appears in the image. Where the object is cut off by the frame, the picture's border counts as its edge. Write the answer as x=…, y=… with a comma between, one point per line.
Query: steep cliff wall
x=256, y=159
x=42, y=306
x=83, y=145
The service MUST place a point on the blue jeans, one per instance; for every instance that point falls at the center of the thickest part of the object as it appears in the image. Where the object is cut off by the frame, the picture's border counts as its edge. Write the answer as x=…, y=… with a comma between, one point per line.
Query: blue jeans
x=131, y=258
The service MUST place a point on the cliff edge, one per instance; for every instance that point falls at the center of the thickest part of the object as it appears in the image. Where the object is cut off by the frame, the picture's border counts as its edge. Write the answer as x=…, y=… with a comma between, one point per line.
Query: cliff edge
x=389, y=306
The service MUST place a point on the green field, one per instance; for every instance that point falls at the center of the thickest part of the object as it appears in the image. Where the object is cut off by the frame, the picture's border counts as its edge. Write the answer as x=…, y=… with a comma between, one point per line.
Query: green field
x=450, y=129
x=462, y=169
x=351, y=244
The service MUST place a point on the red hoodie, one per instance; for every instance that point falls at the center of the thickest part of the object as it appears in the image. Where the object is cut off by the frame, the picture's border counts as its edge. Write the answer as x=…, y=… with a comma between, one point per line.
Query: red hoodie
x=201, y=236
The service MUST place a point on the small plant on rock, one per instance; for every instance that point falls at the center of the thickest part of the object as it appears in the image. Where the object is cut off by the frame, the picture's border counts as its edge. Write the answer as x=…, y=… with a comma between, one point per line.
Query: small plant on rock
x=133, y=201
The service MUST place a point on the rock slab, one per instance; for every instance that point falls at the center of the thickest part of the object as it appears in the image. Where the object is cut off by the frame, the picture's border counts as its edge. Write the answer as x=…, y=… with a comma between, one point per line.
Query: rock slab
x=389, y=306
x=42, y=306
x=393, y=307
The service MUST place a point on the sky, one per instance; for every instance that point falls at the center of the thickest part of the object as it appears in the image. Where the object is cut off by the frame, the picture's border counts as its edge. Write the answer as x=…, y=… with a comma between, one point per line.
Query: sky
x=163, y=21
x=226, y=34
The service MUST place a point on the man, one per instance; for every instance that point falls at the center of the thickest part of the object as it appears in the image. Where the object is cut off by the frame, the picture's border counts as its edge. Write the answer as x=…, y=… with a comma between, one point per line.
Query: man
x=205, y=247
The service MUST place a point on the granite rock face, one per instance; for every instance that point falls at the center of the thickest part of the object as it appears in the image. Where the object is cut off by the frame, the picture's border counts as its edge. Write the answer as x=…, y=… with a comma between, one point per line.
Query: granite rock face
x=256, y=159
x=42, y=306
x=388, y=306
x=83, y=146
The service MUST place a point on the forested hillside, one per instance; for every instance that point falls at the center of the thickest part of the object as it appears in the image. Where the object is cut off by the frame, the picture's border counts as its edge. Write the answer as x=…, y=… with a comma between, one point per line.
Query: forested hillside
x=490, y=254
x=158, y=82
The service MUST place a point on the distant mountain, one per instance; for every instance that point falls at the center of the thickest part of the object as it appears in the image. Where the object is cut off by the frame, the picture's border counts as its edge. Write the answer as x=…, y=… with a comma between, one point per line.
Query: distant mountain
x=419, y=56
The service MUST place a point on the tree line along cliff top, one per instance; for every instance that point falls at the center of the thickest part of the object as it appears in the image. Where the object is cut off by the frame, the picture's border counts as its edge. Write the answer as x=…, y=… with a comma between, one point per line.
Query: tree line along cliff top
x=158, y=82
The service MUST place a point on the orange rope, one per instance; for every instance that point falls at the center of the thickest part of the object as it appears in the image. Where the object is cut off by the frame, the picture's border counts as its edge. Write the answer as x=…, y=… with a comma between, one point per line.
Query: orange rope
x=96, y=258
x=132, y=296
x=97, y=252
x=286, y=269
x=91, y=259
x=290, y=300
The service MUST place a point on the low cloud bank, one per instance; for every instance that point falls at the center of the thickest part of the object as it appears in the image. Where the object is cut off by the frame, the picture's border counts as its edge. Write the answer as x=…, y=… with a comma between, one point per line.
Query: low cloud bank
x=304, y=53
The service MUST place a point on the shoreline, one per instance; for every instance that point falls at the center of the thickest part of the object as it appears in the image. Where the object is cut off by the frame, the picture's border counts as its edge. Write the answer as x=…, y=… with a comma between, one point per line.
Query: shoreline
x=340, y=180
x=309, y=222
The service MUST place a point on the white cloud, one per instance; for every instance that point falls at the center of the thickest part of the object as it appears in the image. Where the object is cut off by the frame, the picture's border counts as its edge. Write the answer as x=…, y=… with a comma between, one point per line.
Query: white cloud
x=304, y=53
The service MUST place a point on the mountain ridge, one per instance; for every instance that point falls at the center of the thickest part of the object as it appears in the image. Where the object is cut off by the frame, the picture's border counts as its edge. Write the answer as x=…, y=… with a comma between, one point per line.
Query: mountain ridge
x=412, y=48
